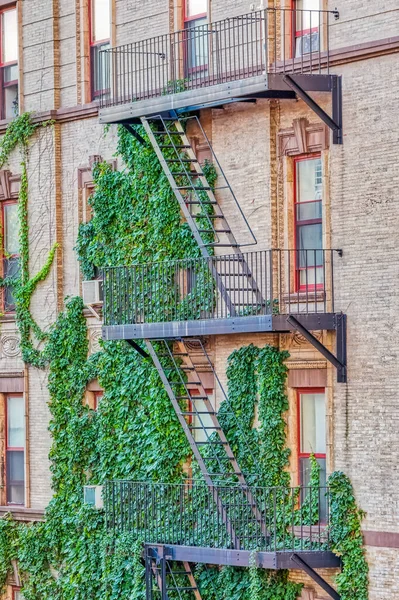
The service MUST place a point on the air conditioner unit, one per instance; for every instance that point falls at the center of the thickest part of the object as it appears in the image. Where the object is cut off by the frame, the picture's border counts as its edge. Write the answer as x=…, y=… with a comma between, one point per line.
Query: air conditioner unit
x=93, y=495
x=92, y=291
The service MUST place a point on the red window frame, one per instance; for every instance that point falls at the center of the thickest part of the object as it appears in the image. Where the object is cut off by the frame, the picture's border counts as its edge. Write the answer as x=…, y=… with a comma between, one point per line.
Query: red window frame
x=298, y=33
x=15, y=590
x=301, y=454
x=94, y=44
x=12, y=448
x=97, y=399
x=4, y=85
x=186, y=20
x=3, y=255
x=298, y=286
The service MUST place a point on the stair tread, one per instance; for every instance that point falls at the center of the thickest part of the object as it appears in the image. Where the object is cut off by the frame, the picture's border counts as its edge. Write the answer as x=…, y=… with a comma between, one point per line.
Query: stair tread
x=177, y=146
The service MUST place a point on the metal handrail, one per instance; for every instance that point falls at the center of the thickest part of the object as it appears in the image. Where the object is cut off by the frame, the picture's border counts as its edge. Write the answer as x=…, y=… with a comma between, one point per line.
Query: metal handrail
x=267, y=282
x=295, y=518
x=231, y=49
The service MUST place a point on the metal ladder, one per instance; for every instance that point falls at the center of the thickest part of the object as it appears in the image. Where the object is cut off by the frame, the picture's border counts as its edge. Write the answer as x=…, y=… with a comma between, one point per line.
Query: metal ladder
x=168, y=578
x=198, y=202
x=216, y=460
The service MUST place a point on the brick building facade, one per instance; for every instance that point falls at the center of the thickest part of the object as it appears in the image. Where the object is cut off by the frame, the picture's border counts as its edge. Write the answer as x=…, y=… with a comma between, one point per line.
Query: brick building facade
x=260, y=146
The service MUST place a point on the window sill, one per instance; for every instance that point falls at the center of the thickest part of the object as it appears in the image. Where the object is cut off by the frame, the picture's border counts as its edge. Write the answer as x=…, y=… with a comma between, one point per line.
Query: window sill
x=8, y=318
x=305, y=296
x=20, y=513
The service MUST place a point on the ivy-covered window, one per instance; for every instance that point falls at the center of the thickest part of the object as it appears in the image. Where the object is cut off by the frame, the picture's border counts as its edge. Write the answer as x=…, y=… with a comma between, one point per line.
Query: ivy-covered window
x=196, y=36
x=10, y=251
x=100, y=39
x=15, y=449
x=306, y=27
x=8, y=63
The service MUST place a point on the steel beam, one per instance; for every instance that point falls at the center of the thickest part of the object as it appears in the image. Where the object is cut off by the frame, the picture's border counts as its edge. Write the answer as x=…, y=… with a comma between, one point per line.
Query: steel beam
x=242, y=558
x=337, y=108
x=334, y=360
x=315, y=576
x=334, y=123
x=138, y=348
x=341, y=348
x=134, y=133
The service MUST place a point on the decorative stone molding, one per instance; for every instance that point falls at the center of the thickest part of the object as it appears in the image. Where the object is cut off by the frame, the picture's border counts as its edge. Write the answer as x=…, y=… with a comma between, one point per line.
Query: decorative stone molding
x=94, y=340
x=10, y=345
x=299, y=340
x=296, y=340
x=306, y=364
x=9, y=185
x=309, y=594
x=303, y=138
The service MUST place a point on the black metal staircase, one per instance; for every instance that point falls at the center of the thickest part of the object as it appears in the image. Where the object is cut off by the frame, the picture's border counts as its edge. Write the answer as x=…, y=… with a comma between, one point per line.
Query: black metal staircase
x=197, y=415
x=199, y=204
x=166, y=579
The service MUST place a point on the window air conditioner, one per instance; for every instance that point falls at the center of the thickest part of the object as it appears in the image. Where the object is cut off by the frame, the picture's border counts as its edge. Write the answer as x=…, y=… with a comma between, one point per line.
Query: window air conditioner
x=93, y=495
x=92, y=291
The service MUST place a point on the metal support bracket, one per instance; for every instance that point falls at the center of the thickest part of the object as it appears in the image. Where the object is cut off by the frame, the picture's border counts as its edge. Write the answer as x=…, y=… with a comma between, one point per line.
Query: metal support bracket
x=316, y=577
x=134, y=133
x=338, y=361
x=334, y=122
x=138, y=348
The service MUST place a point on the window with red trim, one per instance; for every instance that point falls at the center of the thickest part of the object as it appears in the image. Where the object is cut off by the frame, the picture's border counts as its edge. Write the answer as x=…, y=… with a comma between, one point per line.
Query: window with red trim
x=196, y=36
x=15, y=449
x=100, y=39
x=8, y=63
x=97, y=399
x=17, y=594
x=10, y=251
x=307, y=23
x=309, y=223
x=312, y=437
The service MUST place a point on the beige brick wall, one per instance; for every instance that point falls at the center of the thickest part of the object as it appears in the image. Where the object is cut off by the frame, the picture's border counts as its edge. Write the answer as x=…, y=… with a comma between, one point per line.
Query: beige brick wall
x=364, y=186
x=363, y=21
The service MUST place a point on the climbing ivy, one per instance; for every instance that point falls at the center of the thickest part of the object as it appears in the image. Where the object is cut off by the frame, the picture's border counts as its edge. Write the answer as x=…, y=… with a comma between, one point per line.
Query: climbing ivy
x=346, y=536
x=135, y=434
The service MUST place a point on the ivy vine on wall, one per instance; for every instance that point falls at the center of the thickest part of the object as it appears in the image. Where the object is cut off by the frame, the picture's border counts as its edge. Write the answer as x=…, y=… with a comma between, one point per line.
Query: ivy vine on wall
x=135, y=434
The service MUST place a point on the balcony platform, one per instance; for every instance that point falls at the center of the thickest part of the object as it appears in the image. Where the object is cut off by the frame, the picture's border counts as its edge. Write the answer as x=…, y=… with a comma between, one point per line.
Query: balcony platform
x=220, y=326
x=211, y=95
x=241, y=558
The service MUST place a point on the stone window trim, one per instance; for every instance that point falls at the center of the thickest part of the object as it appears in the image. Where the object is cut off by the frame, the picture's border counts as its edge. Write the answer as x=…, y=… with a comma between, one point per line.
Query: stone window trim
x=303, y=138
x=86, y=185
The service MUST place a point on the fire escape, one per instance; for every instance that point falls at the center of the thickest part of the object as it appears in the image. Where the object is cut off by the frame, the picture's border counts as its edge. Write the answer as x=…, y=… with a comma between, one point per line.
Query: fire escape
x=247, y=58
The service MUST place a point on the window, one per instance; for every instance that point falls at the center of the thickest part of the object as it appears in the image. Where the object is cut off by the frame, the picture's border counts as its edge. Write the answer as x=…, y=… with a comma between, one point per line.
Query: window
x=10, y=250
x=100, y=35
x=97, y=399
x=308, y=223
x=17, y=594
x=202, y=422
x=312, y=437
x=15, y=450
x=8, y=63
x=196, y=36
x=306, y=26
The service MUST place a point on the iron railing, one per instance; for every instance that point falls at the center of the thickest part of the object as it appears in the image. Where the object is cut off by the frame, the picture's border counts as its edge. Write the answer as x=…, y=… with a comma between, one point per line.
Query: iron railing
x=260, y=42
x=189, y=514
x=238, y=285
